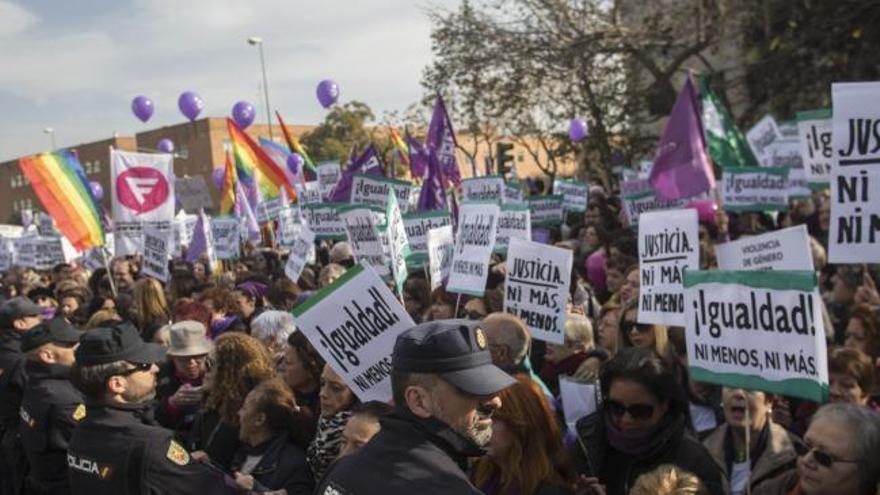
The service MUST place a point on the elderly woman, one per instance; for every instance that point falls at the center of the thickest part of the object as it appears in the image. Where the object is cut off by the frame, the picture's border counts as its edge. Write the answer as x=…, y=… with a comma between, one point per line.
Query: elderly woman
x=272, y=328
x=576, y=356
x=863, y=331
x=850, y=376
x=839, y=454
x=771, y=456
x=337, y=401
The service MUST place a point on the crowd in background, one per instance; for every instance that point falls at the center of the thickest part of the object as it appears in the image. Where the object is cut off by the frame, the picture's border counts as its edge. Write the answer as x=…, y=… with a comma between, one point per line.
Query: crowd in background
x=248, y=395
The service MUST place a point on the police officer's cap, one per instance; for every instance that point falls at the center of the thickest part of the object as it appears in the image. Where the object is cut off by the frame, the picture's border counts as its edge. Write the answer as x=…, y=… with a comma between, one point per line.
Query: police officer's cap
x=18, y=307
x=117, y=343
x=54, y=331
x=456, y=350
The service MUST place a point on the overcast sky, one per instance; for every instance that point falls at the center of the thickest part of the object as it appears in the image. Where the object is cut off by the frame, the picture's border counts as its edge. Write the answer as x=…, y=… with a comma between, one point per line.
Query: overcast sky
x=75, y=66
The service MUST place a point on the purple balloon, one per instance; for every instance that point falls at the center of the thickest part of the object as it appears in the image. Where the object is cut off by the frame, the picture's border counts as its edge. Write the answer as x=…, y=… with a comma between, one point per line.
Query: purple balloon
x=706, y=209
x=294, y=162
x=243, y=114
x=190, y=105
x=328, y=93
x=142, y=107
x=166, y=145
x=218, y=175
x=97, y=190
x=578, y=130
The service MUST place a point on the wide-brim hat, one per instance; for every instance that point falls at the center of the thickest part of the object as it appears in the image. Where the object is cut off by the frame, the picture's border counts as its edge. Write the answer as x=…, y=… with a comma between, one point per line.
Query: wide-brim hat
x=187, y=338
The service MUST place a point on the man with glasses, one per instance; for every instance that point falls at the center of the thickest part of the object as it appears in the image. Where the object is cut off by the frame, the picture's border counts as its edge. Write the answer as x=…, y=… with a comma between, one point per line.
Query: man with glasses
x=117, y=448
x=52, y=406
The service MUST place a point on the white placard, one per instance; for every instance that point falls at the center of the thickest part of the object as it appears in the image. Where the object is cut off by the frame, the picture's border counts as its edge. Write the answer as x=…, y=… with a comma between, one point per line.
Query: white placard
x=398, y=244
x=363, y=236
x=761, y=137
x=786, y=249
x=193, y=193
x=546, y=211
x=373, y=190
x=156, y=251
x=417, y=225
x=300, y=251
x=754, y=189
x=475, y=239
x=488, y=188
x=309, y=193
x=514, y=223
x=536, y=287
x=224, y=231
x=574, y=194
x=329, y=174
x=513, y=193
x=440, y=246
x=854, y=236
x=142, y=187
x=814, y=131
x=353, y=323
x=669, y=244
x=578, y=400
x=324, y=221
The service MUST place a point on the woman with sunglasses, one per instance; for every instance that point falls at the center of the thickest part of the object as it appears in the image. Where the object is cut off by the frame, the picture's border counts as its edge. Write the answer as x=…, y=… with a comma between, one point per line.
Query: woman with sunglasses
x=645, y=335
x=640, y=425
x=770, y=459
x=839, y=455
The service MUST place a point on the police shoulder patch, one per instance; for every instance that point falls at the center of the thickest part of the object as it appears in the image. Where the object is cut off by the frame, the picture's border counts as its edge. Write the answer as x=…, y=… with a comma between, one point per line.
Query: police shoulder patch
x=177, y=454
x=481, y=338
x=79, y=413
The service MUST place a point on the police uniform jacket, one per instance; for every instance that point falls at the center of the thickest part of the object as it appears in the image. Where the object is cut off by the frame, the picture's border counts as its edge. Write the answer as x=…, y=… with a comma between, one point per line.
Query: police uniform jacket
x=50, y=410
x=116, y=450
x=12, y=377
x=409, y=455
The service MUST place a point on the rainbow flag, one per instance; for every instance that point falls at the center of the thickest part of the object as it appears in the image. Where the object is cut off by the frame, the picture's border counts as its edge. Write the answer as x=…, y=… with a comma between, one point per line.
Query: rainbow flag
x=295, y=147
x=62, y=188
x=227, y=196
x=254, y=165
x=400, y=144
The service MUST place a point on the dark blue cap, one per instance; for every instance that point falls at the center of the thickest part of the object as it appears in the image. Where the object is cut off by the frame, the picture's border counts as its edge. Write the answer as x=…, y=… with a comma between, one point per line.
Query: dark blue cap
x=118, y=343
x=456, y=350
x=54, y=331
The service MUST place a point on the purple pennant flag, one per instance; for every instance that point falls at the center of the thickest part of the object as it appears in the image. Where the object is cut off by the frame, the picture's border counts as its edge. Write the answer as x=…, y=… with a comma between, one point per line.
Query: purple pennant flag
x=199, y=243
x=681, y=167
x=418, y=156
x=441, y=142
x=432, y=196
x=367, y=163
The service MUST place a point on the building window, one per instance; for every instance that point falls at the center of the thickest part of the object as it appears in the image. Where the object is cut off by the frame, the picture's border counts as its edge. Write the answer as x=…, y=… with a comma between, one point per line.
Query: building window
x=520, y=157
x=96, y=166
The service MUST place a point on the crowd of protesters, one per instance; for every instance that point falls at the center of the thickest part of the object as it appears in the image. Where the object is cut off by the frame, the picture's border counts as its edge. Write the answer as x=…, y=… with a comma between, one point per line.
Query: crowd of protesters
x=112, y=382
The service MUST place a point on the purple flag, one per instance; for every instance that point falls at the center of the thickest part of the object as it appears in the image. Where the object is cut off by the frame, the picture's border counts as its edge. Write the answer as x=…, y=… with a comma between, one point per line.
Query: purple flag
x=198, y=244
x=681, y=167
x=367, y=163
x=245, y=213
x=432, y=196
x=441, y=142
x=418, y=156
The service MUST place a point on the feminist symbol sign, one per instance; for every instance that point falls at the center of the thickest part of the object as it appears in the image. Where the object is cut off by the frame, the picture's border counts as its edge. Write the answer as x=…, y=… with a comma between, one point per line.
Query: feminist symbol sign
x=142, y=189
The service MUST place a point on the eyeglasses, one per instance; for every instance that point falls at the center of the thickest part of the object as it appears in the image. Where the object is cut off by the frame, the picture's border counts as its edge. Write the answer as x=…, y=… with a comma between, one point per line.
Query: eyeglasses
x=137, y=367
x=823, y=458
x=636, y=411
x=629, y=326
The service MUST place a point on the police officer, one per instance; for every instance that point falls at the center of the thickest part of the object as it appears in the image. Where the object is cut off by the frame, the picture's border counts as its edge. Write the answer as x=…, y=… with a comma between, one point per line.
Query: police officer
x=445, y=390
x=17, y=316
x=117, y=448
x=51, y=406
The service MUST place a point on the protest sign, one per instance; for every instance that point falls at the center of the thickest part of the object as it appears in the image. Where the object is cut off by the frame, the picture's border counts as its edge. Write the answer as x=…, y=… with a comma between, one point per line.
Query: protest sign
x=363, y=235
x=289, y=225
x=398, y=244
x=536, y=287
x=754, y=189
x=488, y=188
x=324, y=221
x=46, y=225
x=578, y=399
x=142, y=186
x=353, y=323
x=193, y=193
x=48, y=252
x=513, y=193
x=309, y=193
x=758, y=331
x=475, y=239
x=6, y=258
x=26, y=251
x=329, y=174
x=631, y=187
x=156, y=251
x=669, y=244
x=761, y=136
x=224, y=231
x=786, y=152
x=300, y=249
x=854, y=236
x=786, y=249
x=574, y=194
x=267, y=209
x=514, y=223
x=546, y=211
x=373, y=190
x=636, y=204
x=814, y=131
x=417, y=224
x=440, y=246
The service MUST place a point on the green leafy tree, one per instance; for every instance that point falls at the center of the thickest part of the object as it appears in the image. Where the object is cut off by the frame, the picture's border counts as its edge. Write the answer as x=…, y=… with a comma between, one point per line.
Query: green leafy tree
x=344, y=127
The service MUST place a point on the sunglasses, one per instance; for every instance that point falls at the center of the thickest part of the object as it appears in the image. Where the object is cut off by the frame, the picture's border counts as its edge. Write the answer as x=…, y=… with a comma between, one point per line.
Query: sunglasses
x=629, y=326
x=636, y=411
x=137, y=367
x=822, y=458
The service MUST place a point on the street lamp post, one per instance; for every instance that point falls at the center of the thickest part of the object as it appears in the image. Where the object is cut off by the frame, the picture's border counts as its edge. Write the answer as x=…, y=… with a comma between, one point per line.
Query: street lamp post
x=253, y=40
x=51, y=132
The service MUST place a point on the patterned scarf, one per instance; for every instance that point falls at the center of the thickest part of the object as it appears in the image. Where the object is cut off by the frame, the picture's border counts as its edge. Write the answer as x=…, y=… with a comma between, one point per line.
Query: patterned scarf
x=327, y=443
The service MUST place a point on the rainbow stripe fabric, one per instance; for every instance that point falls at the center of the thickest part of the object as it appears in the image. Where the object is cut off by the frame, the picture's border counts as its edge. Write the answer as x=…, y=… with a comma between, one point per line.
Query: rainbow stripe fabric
x=227, y=196
x=309, y=171
x=60, y=184
x=253, y=164
x=400, y=144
